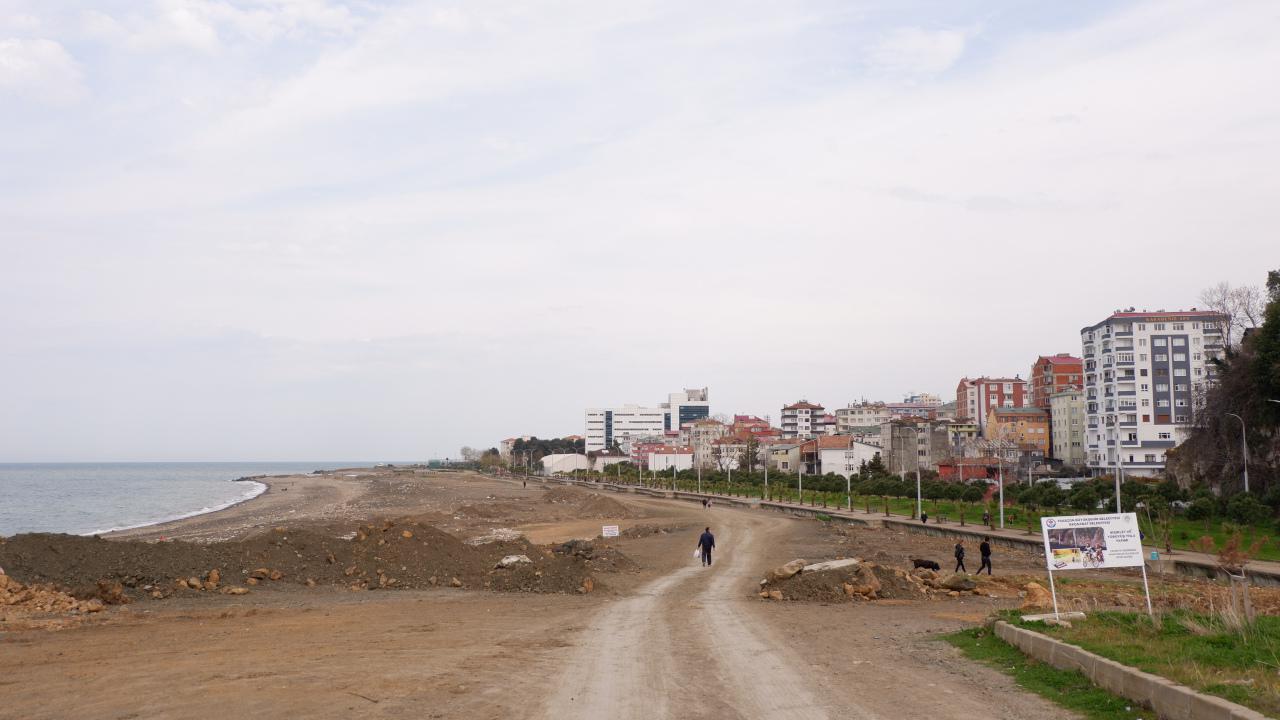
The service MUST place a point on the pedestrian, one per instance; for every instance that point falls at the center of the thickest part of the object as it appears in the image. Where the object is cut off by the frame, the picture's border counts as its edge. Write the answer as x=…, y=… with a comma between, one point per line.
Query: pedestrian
x=985, y=549
x=986, y=518
x=924, y=518
x=705, y=543
x=960, y=557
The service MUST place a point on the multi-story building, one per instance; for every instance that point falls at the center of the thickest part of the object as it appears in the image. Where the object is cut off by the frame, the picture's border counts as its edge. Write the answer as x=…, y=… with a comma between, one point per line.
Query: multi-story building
x=976, y=396
x=839, y=454
x=1144, y=375
x=861, y=415
x=1066, y=427
x=702, y=436
x=668, y=457
x=618, y=425
x=802, y=420
x=1054, y=373
x=1027, y=426
x=906, y=444
x=907, y=410
x=785, y=456
x=922, y=399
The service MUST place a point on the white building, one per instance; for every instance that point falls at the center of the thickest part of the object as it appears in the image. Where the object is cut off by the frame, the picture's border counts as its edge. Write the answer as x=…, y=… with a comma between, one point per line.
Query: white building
x=802, y=420
x=861, y=415
x=1066, y=427
x=665, y=458
x=844, y=456
x=564, y=463
x=1144, y=375
x=607, y=426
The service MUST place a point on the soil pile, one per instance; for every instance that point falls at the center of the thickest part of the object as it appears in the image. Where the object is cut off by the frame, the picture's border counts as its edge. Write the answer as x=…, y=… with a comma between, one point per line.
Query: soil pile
x=18, y=600
x=865, y=581
x=388, y=555
x=589, y=504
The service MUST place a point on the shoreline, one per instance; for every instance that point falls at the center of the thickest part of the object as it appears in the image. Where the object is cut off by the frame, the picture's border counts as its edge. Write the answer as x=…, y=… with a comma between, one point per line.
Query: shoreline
x=259, y=480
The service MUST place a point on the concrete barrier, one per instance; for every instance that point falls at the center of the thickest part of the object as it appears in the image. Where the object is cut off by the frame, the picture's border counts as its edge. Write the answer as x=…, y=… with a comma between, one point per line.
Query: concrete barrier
x=1168, y=699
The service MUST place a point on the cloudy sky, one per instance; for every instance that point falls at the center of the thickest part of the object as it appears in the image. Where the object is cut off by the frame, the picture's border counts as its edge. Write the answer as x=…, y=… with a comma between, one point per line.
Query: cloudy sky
x=314, y=229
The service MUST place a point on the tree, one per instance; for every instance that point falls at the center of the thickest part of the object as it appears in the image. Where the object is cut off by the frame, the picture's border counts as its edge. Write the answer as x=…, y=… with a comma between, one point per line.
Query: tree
x=1243, y=306
x=469, y=454
x=1084, y=498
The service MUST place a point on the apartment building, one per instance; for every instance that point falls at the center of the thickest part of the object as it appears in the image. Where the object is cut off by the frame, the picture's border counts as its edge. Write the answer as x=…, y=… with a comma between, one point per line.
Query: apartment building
x=607, y=426
x=839, y=454
x=906, y=444
x=861, y=415
x=1145, y=374
x=976, y=396
x=1066, y=427
x=1026, y=426
x=1052, y=374
x=802, y=420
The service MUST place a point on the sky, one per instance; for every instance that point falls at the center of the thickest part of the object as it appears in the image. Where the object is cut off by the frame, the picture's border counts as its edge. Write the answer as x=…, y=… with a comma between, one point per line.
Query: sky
x=314, y=229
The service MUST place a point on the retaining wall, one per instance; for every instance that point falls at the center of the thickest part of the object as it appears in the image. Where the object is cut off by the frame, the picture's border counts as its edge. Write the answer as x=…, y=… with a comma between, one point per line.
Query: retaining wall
x=1168, y=699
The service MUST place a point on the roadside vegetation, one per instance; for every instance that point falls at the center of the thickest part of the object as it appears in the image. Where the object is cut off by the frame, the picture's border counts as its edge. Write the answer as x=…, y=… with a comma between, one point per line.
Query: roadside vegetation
x=1069, y=689
x=1218, y=654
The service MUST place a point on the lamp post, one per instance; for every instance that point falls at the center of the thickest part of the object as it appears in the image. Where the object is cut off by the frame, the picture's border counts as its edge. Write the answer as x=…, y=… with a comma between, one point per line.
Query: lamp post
x=1244, y=448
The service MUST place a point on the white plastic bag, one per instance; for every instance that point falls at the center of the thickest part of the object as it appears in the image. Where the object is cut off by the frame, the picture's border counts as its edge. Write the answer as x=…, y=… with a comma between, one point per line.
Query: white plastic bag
x=697, y=552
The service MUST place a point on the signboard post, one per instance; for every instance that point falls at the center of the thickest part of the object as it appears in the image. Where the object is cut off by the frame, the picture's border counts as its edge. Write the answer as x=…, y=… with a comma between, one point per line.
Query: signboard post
x=1092, y=542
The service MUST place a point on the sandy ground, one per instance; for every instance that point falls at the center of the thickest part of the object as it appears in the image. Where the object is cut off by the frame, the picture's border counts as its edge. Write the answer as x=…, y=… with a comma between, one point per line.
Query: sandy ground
x=670, y=640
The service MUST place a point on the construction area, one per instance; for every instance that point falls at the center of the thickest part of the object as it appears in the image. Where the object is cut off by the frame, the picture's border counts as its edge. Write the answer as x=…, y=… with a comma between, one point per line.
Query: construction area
x=414, y=594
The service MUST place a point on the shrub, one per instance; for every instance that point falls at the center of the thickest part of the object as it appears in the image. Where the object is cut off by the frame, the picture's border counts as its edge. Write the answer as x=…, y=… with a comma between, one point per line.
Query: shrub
x=1246, y=509
x=1202, y=508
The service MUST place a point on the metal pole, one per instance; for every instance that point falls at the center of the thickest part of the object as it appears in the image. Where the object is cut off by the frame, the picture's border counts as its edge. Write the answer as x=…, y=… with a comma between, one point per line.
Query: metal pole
x=699, y=478
x=1244, y=449
x=1147, y=589
x=1054, y=590
x=1000, y=461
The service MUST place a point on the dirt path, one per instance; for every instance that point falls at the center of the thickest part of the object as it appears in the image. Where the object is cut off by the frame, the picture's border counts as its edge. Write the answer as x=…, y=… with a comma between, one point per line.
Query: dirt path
x=694, y=643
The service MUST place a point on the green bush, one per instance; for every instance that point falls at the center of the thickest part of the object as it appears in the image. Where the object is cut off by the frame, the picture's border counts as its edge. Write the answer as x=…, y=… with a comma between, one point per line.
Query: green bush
x=1202, y=508
x=1247, y=509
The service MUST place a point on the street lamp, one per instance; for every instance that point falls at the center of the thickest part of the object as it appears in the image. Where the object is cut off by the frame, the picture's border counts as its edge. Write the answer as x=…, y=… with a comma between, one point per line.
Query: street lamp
x=1244, y=448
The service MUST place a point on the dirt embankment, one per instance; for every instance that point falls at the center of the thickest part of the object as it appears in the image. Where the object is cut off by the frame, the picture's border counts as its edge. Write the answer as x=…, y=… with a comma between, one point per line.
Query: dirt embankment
x=391, y=554
x=589, y=505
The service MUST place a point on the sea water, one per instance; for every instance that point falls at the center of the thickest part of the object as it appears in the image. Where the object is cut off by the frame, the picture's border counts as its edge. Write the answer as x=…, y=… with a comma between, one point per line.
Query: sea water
x=88, y=498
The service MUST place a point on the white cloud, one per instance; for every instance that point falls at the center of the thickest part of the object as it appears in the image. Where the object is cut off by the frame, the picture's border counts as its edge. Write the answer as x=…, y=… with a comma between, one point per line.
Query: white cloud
x=39, y=68
x=914, y=50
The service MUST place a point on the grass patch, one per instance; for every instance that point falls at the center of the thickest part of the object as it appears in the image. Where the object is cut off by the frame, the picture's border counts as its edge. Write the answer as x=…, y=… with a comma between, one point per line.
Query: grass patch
x=1069, y=689
x=1197, y=650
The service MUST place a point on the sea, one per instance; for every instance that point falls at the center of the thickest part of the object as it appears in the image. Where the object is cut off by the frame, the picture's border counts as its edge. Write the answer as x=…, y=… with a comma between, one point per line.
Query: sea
x=91, y=498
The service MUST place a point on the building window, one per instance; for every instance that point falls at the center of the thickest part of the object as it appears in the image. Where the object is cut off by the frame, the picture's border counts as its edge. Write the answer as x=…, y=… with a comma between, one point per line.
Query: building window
x=1158, y=327
x=1165, y=436
x=1177, y=326
x=1161, y=357
x=1179, y=372
x=1159, y=342
x=1179, y=342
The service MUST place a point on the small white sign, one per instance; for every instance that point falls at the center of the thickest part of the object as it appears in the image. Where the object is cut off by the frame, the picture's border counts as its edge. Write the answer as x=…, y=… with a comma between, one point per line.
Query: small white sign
x=610, y=531
x=1088, y=542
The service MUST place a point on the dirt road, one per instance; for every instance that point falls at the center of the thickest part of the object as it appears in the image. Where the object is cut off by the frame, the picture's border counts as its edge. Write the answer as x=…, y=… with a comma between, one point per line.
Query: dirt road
x=696, y=644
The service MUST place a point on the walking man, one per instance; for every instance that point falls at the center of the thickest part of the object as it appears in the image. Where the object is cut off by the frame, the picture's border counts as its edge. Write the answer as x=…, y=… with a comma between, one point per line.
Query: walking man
x=985, y=549
x=960, y=557
x=924, y=518
x=705, y=543
x=986, y=518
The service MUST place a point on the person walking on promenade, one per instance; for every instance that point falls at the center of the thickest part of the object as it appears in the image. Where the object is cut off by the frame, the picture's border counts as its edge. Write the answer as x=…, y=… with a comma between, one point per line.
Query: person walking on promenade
x=985, y=550
x=705, y=543
x=960, y=557
x=924, y=518
x=986, y=518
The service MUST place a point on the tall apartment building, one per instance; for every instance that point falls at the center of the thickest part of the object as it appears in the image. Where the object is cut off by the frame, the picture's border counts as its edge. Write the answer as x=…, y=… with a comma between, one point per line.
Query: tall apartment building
x=606, y=426
x=802, y=420
x=976, y=396
x=1054, y=373
x=1066, y=427
x=1144, y=375
x=1026, y=426
x=904, y=443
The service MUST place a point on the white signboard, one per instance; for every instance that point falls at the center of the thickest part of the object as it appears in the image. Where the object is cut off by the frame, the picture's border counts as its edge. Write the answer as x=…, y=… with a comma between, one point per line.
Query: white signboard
x=1089, y=542
x=610, y=531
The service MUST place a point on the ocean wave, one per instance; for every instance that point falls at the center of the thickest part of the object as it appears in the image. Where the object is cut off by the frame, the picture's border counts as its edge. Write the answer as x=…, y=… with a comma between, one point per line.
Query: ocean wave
x=255, y=489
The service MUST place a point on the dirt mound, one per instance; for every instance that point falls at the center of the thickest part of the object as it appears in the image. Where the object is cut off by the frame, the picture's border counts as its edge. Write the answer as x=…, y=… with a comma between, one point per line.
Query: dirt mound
x=388, y=555
x=589, y=504
x=864, y=581
x=20, y=601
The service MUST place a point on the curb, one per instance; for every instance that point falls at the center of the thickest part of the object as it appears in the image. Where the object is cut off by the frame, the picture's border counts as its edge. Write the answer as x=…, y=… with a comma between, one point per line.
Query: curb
x=1170, y=700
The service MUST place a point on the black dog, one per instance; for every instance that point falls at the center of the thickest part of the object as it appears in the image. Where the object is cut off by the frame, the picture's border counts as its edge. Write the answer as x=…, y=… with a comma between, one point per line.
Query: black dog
x=926, y=564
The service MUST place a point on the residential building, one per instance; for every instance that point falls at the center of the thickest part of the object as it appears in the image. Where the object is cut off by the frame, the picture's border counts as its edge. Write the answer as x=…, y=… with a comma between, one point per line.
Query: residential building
x=1054, y=373
x=976, y=396
x=802, y=420
x=861, y=415
x=618, y=425
x=906, y=444
x=755, y=427
x=908, y=410
x=1066, y=427
x=785, y=456
x=564, y=463
x=960, y=433
x=922, y=399
x=826, y=425
x=839, y=454
x=727, y=452
x=702, y=435
x=1027, y=426
x=1145, y=374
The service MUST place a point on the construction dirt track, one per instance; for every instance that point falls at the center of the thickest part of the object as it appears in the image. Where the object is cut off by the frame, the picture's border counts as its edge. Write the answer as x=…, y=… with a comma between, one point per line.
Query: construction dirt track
x=663, y=637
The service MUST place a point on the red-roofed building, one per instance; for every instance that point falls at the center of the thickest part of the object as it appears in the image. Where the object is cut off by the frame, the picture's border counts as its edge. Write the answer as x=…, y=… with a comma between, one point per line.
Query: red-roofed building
x=976, y=396
x=1052, y=374
x=803, y=420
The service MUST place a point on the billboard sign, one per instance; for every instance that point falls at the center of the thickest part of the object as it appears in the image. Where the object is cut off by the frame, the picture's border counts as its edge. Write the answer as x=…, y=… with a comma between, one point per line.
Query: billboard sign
x=1091, y=542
